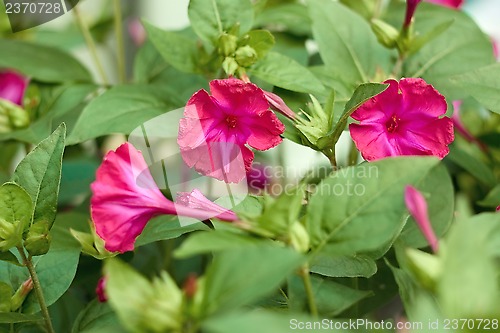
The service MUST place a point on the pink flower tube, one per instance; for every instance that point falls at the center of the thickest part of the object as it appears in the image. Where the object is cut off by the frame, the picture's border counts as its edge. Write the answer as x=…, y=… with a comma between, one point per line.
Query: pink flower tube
x=216, y=129
x=12, y=86
x=457, y=4
x=125, y=197
x=406, y=119
x=417, y=206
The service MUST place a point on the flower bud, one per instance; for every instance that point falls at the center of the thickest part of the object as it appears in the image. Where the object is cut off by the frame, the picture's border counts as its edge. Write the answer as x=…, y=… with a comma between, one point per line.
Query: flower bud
x=299, y=238
x=12, y=117
x=227, y=44
x=38, y=239
x=100, y=290
x=11, y=235
x=386, y=34
x=190, y=286
x=246, y=56
x=22, y=292
x=230, y=66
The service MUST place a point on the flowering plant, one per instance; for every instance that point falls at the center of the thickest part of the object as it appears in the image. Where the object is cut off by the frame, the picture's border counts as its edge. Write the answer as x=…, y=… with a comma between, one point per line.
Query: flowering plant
x=276, y=166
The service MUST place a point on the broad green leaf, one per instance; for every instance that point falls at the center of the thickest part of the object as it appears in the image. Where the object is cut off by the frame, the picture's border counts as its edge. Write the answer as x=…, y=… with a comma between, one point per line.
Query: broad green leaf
x=469, y=269
x=56, y=269
x=483, y=84
x=177, y=50
x=148, y=63
x=15, y=205
x=41, y=62
x=77, y=175
x=39, y=173
x=213, y=241
x=232, y=279
x=96, y=316
x=437, y=188
x=16, y=317
x=473, y=165
x=120, y=110
x=361, y=208
x=344, y=266
x=331, y=298
x=210, y=18
x=463, y=47
x=492, y=199
x=165, y=227
x=286, y=73
x=346, y=42
x=293, y=16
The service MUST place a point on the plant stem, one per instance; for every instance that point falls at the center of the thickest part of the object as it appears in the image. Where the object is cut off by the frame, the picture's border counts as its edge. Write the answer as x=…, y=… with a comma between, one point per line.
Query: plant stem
x=330, y=153
x=38, y=289
x=90, y=44
x=306, y=279
x=120, y=53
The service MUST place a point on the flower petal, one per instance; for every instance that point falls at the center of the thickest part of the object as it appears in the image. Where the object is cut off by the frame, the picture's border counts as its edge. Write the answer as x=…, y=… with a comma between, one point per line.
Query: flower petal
x=13, y=86
x=265, y=131
x=239, y=98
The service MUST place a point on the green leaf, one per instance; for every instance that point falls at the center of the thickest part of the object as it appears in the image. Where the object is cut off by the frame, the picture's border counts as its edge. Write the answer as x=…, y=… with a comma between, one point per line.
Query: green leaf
x=16, y=317
x=262, y=321
x=233, y=281
x=9, y=257
x=473, y=165
x=361, y=208
x=41, y=62
x=96, y=316
x=39, y=173
x=483, y=84
x=177, y=50
x=331, y=298
x=344, y=266
x=463, y=47
x=120, y=110
x=286, y=73
x=15, y=205
x=469, y=269
x=492, y=199
x=346, y=42
x=213, y=241
x=210, y=18
x=437, y=188
x=292, y=16
x=262, y=41
x=55, y=270
x=165, y=227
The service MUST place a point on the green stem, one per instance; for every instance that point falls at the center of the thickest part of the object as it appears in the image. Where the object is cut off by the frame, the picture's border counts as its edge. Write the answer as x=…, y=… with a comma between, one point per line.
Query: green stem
x=306, y=279
x=398, y=67
x=38, y=289
x=353, y=155
x=330, y=153
x=120, y=54
x=90, y=44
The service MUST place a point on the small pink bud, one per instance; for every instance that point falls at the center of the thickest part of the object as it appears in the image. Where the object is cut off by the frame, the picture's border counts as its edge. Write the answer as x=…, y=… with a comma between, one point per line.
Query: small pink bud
x=279, y=105
x=498, y=209
x=417, y=206
x=137, y=32
x=100, y=290
x=190, y=285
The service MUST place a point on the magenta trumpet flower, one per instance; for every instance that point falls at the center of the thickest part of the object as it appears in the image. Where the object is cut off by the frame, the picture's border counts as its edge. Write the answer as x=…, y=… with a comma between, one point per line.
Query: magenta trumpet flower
x=13, y=86
x=125, y=197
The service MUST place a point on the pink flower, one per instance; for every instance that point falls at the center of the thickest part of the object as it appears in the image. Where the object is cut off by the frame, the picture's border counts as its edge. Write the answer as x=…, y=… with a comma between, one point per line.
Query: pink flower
x=417, y=206
x=405, y=119
x=125, y=197
x=216, y=129
x=498, y=209
x=12, y=86
x=257, y=179
x=411, y=6
x=100, y=290
x=459, y=126
x=448, y=3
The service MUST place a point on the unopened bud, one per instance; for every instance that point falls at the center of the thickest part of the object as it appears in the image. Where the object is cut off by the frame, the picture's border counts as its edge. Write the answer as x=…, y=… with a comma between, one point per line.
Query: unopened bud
x=12, y=117
x=190, y=286
x=10, y=235
x=246, y=56
x=227, y=44
x=100, y=290
x=386, y=34
x=22, y=292
x=38, y=239
x=230, y=66
x=299, y=238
